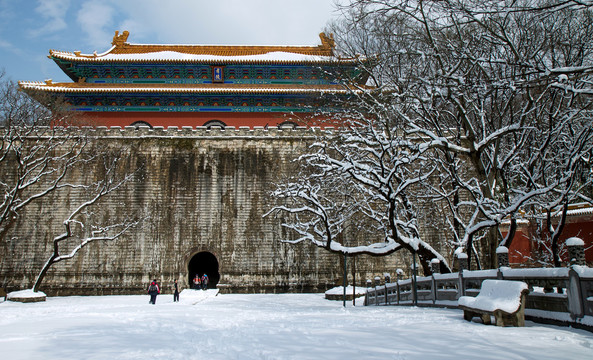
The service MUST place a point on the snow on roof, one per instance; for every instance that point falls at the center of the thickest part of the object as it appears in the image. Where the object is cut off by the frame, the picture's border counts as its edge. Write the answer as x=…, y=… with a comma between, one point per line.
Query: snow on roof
x=122, y=51
x=174, y=56
x=580, y=211
x=573, y=210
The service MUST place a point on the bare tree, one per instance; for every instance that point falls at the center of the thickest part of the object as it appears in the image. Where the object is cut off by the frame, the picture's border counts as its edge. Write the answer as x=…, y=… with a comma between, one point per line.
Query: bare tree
x=81, y=227
x=39, y=161
x=499, y=90
x=362, y=177
x=38, y=155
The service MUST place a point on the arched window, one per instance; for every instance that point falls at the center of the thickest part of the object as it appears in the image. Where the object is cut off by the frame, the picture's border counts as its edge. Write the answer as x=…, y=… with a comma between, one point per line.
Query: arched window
x=287, y=125
x=139, y=124
x=214, y=123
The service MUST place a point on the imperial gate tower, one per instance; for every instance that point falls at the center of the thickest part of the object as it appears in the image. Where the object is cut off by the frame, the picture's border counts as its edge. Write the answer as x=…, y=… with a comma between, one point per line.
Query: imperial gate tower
x=207, y=130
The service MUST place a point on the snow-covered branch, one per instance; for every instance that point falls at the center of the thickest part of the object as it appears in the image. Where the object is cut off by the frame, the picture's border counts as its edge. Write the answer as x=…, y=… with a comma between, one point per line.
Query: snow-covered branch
x=81, y=228
x=497, y=92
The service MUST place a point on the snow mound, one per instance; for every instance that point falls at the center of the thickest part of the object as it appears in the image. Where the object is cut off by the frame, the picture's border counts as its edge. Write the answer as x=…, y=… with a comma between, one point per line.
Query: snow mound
x=26, y=296
x=339, y=290
x=337, y=293
x=575, y=241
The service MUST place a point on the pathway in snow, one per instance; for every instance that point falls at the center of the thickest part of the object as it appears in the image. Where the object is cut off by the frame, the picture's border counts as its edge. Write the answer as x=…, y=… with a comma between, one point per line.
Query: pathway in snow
x=194, y=297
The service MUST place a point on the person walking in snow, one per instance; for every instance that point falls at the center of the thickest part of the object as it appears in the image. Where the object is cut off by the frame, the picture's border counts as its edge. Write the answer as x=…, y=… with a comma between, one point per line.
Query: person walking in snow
x=153, y=291
x=175, y=292
x=197, y=282
x=205, y=282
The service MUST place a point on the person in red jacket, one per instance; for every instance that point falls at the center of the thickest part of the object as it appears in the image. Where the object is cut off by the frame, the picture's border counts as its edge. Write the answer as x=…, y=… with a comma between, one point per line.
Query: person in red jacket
x=153, y=291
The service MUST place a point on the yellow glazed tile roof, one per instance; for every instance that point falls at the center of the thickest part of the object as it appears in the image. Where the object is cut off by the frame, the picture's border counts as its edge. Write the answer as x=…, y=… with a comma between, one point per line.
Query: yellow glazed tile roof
x=122, y=51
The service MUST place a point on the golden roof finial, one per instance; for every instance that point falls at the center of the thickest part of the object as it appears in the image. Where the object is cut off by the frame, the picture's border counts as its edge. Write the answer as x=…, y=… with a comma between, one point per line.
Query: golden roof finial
x=327, y=41
x=119, y=40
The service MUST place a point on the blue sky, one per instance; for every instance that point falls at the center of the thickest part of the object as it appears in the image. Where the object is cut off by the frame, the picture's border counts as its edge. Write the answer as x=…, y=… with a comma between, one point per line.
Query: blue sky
x=30, y=28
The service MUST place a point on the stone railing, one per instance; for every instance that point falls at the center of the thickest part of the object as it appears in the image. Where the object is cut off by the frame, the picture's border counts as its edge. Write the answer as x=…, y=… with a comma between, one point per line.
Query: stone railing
x=556, y=295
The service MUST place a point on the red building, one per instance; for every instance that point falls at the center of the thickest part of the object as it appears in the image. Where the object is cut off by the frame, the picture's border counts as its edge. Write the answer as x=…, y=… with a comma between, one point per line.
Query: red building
x=201, y=85
x=525, y=246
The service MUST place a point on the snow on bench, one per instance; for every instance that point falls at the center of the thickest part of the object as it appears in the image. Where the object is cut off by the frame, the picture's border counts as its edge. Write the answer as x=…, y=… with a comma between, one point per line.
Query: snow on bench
x=503, y=299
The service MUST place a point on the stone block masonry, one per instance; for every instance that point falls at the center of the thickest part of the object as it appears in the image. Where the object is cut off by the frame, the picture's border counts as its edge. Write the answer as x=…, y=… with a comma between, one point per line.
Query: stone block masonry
x=201, y=191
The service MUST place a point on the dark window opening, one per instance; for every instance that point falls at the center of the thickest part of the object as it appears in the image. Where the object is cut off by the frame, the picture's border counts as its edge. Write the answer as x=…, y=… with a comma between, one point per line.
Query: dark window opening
x=139, y=124
x=287, y=125
x=214, y=123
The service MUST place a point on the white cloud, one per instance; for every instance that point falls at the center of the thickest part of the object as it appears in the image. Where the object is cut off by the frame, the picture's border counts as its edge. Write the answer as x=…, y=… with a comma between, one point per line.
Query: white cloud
x=224, y=21
x=8, y=46
x=53, y=16
x=95, y=19
x=6, y=12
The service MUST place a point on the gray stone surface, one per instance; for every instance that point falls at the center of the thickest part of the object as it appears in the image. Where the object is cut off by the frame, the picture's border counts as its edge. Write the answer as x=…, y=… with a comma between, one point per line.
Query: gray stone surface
x=200, y=191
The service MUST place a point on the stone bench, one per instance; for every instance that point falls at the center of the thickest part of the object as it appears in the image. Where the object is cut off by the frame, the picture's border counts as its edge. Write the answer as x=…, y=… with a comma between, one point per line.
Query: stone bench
x=505, y=300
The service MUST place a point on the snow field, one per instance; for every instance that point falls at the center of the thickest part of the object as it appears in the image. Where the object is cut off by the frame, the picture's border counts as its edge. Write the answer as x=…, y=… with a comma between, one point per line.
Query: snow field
x=285, y=326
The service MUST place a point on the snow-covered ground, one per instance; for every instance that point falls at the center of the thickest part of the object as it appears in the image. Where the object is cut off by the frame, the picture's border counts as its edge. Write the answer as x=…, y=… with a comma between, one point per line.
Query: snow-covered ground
x=287, y=326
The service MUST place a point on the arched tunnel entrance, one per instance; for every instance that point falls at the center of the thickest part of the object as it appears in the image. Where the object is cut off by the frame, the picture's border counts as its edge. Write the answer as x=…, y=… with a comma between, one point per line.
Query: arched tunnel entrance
x=203, y=263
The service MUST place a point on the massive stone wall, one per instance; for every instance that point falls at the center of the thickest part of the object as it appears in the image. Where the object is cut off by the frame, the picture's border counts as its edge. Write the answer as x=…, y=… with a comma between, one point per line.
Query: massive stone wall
x=200, y=192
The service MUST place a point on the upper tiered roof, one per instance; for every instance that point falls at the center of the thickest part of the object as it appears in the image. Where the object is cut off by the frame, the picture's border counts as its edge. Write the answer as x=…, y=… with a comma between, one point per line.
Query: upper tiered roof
x=122, y=52
x=187, y=68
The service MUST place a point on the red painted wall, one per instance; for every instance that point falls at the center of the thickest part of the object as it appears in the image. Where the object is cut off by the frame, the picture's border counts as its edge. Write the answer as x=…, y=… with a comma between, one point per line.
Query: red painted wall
x=194, y=119
x=580, y=226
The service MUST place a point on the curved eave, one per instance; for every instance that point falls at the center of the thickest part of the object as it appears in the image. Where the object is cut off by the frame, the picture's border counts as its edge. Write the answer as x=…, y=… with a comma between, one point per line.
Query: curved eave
x=72, y=88
x=208, y=61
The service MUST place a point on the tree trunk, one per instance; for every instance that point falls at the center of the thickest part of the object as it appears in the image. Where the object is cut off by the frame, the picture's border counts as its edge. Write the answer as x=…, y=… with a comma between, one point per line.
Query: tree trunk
x=556, y=234
x=42, y=273
x=52, y=258
x=468, y=250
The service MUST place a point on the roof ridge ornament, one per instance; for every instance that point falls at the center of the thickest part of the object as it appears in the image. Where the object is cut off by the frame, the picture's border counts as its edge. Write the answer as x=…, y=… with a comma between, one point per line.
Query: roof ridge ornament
x=119, y=40
x=327, y=42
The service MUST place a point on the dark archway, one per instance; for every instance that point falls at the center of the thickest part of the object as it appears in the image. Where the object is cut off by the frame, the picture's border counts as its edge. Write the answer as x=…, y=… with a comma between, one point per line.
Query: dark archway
x=214, y=123
x=203, y=263
x=138, y=124
x=288, y=125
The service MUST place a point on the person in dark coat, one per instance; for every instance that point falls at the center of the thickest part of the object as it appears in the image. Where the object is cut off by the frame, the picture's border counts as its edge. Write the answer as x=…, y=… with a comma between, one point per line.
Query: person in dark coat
x=153, y=291
x=175, y=292
x=204, y=282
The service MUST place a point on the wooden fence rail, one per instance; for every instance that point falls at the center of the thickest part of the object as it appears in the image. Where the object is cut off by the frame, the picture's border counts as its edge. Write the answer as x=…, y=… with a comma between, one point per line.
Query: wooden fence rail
x=557, y=295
